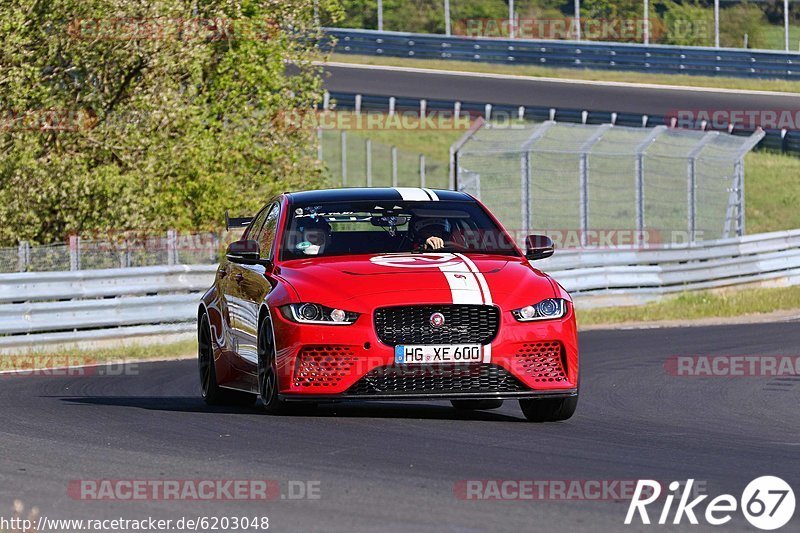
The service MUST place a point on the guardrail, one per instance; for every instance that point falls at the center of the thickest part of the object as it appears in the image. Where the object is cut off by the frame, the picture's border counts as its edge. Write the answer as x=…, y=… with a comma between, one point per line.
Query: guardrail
x=783, y=140
x=573, y=54
x=39, y=309
x=627, y=277
x=42, y=308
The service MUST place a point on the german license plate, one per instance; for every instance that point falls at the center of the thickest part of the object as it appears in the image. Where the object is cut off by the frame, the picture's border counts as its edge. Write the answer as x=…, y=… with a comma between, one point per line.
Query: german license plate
x=437, y=353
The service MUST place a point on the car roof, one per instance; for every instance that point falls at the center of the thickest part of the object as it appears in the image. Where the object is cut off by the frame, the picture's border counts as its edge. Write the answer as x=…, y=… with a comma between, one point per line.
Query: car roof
x=377, y=194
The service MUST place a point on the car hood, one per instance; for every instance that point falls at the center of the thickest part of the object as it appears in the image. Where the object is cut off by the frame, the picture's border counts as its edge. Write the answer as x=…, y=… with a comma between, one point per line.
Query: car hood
x=364, y=282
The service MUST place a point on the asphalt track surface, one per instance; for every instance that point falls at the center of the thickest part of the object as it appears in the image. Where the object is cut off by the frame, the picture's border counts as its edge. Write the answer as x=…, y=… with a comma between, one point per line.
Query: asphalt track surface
x=559, y=94
x=392, y=466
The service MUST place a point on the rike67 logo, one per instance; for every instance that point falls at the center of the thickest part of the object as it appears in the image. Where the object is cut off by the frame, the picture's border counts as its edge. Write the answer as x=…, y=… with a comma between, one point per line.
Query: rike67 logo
x=767, y=503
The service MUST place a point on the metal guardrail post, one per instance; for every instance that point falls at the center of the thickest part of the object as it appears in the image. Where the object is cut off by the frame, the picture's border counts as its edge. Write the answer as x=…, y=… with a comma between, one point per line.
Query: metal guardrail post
x=368, y=157
x=344, y=158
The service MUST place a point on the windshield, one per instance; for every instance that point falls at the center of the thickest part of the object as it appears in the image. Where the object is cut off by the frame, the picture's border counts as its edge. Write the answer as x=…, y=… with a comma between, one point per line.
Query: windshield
x=349, y=228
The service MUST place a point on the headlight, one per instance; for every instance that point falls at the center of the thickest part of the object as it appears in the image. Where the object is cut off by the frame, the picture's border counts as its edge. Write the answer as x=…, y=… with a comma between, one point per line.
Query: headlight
x=308, y=313
x=544, y=310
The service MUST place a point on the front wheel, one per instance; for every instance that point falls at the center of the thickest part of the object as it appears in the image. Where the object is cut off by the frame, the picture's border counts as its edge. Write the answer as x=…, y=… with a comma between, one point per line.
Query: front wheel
x=268, y=371
x=476, y=405
x=549, y=409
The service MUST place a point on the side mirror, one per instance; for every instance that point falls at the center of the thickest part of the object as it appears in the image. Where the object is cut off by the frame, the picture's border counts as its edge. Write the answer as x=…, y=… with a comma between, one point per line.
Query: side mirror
x=538, y=247
x=245, y=252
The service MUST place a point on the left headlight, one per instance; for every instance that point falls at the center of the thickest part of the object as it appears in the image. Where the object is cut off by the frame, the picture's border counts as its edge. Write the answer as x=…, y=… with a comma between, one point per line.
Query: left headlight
x=545, y=310
x=310, y=313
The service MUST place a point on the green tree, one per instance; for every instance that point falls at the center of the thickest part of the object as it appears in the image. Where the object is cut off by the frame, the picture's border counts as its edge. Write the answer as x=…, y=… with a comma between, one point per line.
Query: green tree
x=123, y=114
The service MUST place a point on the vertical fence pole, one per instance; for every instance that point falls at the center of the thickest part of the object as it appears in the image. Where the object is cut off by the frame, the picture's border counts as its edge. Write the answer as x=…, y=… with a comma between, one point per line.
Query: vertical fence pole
x=786, y=25
x=380, y=15
x=172, y=247
x=344, y=158
x=525, y=191
x=394, y=166
x=692, y=199
x=640, y=194
x=447, y=17
x=23, y=255
x=319, y=144
x=368, y=154
x=646, y=22
x=740, y=191
x=451, y=184
x=423, y=108
x=358, y=104
x=584, y=196
x=392, y=102
x=511, y=32
x=422, y=170
x=577, y=20
x=716, y=23
x=457, y=109
x=74, y=252
x=326, y=100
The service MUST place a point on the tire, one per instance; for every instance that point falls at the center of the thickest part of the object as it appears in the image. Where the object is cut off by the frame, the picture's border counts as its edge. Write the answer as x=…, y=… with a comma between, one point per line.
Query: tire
x=268, y=371
x=212, y=393
x=549, y=409
x=476, y=405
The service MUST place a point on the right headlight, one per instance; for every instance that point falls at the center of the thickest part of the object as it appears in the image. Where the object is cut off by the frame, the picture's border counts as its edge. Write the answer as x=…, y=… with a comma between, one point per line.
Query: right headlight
x=548, y=309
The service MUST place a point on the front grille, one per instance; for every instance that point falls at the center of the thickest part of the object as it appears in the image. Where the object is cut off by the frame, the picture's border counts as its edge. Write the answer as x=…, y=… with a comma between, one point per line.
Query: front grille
x=436, y=379
x=474, y=324
x=322, y=366
x=543, y=361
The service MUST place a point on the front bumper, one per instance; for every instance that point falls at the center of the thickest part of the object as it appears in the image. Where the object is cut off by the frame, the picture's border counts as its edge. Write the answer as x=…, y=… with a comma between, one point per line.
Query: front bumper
x=528, y=360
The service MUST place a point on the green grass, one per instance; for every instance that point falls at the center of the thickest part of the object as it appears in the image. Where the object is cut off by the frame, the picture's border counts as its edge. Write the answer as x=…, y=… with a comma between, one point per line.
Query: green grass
x=578, y=74
x=125, y=351
x=698, y=305
x=772, y=192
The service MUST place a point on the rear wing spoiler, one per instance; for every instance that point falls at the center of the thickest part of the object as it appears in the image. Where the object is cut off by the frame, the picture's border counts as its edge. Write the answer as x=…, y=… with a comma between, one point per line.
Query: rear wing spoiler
x=236, y=223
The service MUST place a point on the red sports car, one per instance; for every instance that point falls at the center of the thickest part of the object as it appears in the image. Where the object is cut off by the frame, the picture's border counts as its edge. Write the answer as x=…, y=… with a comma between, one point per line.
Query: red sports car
x=386, y=294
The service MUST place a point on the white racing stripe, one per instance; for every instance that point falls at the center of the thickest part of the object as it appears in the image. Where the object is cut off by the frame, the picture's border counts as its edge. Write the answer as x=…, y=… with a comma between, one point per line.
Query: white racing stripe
x=468, y=286
x=415, y=194
x=464, y=288
x=480, y=278
x=432, y=194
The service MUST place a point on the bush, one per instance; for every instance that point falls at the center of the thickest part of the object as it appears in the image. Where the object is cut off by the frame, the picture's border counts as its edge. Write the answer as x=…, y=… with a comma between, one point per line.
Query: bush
x=117, y=115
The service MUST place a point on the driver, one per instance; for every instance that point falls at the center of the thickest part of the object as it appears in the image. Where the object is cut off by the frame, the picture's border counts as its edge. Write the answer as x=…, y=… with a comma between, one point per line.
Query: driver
x=315, y=235
x=431, y=233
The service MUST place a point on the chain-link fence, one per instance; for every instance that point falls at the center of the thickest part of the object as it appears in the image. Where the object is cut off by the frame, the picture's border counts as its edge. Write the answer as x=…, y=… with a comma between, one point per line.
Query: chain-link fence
x=122, y=251
x=355, y=159
x=665, y=184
